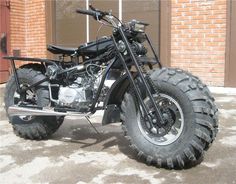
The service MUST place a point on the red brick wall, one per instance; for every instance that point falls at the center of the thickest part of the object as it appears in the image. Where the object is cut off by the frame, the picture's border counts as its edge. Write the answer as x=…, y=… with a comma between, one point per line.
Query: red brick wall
x=198, y=32
x=28, y=32
x=35, y=28
x=17, y=26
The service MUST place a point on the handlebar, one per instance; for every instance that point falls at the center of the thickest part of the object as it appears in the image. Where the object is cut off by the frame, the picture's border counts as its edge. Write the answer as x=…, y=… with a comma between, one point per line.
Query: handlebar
x=99, y=15
x=88, y=12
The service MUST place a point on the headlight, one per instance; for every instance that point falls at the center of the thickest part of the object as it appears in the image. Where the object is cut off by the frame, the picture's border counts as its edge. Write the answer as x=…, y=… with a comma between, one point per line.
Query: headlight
x=138, y=26
x=139, y=48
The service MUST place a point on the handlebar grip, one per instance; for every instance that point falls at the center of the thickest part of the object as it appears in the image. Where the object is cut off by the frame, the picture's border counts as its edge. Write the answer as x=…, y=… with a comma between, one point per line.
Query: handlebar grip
x=87, y=12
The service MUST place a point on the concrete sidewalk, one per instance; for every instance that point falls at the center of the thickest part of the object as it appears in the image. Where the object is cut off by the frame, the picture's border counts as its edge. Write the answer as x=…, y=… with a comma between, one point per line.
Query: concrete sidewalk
x=76, y=154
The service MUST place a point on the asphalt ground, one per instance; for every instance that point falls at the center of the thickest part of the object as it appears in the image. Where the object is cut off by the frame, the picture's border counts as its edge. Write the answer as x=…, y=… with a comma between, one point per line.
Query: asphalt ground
x=77, y=154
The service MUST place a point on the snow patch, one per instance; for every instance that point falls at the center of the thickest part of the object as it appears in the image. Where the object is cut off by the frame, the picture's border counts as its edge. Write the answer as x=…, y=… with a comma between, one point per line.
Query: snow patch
x=178, y=177
x=5, y=160
x=95, y=158
x=226, y=99
x=8, y=140
x=212, y=164
x=227, y=113
x=66, y=138
x=22, y=174
x=28, y=146
x=5, y=125
x=81, y=182
x=223, y=90
x=232, y=128
x=144, y=175
x=52, y=143
x=229, y=141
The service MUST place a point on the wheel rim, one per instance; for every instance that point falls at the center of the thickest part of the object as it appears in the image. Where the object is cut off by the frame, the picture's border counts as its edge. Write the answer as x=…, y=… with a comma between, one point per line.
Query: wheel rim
x=176, y=128
x=30, y=96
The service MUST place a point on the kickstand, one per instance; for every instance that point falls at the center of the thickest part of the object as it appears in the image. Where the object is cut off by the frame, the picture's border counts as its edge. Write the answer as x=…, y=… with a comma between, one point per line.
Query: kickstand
x=87, y=118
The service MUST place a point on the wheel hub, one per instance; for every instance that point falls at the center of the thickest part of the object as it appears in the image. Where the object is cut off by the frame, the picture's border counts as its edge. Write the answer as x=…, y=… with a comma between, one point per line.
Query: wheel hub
x=30, y=98
x=167, y=117
x=173, y=121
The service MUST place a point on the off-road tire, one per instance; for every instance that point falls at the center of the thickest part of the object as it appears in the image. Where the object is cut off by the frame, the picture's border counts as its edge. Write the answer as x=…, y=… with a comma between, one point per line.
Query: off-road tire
x=39, y=127
x=200, y=116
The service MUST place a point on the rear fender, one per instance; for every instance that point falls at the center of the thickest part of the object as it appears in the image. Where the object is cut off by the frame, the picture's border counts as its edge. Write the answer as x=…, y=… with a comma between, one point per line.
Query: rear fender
x=35, y=66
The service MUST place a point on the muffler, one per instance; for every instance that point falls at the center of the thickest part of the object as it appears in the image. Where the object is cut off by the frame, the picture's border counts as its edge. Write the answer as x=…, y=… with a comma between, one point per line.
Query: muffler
x=23, y=111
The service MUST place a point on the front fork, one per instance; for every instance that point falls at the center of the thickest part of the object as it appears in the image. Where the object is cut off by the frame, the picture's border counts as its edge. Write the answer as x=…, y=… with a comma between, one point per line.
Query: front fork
x=158, y=114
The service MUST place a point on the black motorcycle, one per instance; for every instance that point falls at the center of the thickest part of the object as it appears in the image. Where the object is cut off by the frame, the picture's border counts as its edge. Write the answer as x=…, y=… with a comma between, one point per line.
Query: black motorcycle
x=168, y=115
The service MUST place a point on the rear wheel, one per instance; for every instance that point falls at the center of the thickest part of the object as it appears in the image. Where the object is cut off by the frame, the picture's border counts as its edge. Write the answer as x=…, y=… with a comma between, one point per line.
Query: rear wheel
x=190, y=120
x=31, y=127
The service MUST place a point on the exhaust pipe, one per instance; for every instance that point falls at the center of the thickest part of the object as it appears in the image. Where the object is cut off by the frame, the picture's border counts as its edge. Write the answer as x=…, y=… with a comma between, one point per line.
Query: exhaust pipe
x=23, y=111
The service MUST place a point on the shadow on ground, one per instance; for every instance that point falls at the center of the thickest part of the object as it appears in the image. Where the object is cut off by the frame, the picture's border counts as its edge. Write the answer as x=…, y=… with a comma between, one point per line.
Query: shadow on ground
x=84, y=135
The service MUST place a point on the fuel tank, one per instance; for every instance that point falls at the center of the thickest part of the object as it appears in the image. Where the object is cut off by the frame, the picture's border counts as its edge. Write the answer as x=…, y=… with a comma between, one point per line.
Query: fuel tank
x=97, y=47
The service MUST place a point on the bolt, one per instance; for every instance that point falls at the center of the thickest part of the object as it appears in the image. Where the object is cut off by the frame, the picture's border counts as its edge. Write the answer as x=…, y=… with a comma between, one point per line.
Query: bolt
x=161, y=130
x=165, y=116
x=154, y=130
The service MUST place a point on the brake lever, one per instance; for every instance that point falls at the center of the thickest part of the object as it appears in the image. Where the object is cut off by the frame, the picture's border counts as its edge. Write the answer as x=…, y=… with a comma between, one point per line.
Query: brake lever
x=97, y=17
x=92, y=8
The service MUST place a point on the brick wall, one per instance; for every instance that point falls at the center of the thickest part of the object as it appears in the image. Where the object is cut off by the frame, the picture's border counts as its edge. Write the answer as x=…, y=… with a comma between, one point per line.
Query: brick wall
x=17, y=26
x=198, y=32
x=28, y=32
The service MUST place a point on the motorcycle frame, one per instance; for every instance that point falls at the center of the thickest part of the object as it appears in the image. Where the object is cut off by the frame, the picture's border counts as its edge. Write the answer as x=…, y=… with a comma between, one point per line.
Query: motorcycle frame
x=93, y=107
x=14, y=70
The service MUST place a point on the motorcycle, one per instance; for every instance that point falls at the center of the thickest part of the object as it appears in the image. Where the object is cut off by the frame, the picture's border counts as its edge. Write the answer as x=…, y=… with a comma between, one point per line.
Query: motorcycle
x=168, y=115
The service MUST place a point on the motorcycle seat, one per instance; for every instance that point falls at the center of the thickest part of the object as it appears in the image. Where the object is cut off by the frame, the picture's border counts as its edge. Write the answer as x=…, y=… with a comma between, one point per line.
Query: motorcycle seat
x=61, y=50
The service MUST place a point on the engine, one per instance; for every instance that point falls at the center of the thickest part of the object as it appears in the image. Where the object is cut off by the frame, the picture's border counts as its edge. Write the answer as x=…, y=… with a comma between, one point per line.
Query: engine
x=81, y=90
x=80, y=84
x=77, y=95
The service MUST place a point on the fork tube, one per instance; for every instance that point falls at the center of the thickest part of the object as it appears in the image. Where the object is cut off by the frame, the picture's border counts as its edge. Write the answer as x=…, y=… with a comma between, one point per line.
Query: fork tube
x=157, y=111
x=133, y=83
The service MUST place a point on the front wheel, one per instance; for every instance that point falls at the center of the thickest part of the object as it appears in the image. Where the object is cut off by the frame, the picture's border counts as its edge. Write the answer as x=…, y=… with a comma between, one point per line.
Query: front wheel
x=190, y=121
